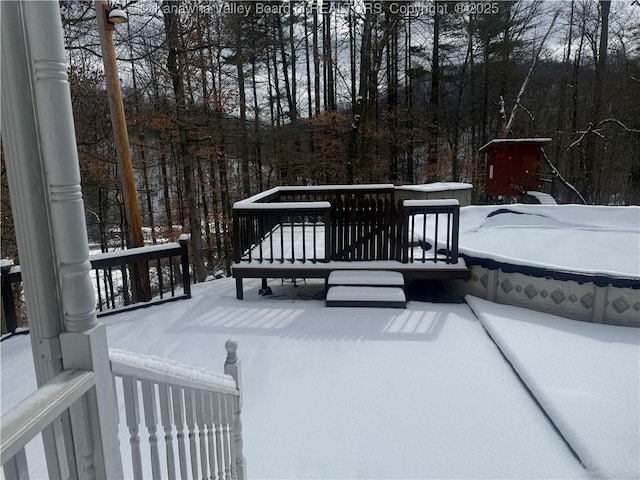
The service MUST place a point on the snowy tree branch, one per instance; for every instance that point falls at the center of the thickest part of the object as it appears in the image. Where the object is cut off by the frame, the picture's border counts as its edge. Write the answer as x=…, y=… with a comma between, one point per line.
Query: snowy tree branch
x=525, y=83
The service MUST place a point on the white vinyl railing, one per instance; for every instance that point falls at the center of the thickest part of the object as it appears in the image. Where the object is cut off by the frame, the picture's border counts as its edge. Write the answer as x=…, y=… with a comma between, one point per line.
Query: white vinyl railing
x=61, y=394
x=197, y=412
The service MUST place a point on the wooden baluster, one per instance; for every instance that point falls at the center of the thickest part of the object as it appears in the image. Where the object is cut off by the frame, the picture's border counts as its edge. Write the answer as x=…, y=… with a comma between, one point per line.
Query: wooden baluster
x=165, y=418
x=202, y=439
x=435, y=240
x=151, y=422
x=178, y=418
x=132, y=412
x=190, y=419
x=160, y=282
x=226, y=435
x=217, y=421
x=207, y=399
x=99, y=293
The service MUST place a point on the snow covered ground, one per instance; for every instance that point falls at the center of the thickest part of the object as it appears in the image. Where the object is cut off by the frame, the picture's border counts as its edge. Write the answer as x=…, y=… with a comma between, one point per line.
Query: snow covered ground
x=586, y=377
x=362, y=393
x=422, y=392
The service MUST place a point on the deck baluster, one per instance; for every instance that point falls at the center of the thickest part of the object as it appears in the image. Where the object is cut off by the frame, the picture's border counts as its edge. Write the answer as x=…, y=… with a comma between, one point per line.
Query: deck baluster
x=272, y=223
x=293, y=237
x=304, y=241
x=178, y=418
x=202, y=434
x=82, y=439
x=160, y=282
x=226, y=437
x=165, y=418
x=113, y=297
x=151, y=422
x=190, y=418
x=217, y=420
x=132, y=412
x=208, y=420
x=449, y=237
x=99, y=294
x=435, y=241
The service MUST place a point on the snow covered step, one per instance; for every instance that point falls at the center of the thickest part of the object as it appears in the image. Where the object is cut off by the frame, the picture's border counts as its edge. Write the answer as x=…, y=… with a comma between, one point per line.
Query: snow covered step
x=371, y=296
x=543, y=198
x=382, y=278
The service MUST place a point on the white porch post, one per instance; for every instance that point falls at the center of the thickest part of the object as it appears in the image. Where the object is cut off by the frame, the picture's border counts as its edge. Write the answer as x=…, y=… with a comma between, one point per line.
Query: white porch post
x=232, y=367
x=27, y=186
x=44, y=180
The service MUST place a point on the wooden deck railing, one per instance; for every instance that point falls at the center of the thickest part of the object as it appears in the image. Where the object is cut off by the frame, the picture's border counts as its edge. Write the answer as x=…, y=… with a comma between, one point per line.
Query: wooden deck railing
x=62, y=395
x=168, y=269
x=281, y=232
x=325, y=224
x=198, y=417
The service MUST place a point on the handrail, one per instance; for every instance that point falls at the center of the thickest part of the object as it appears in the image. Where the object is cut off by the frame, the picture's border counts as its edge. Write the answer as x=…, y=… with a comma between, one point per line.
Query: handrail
x=20, y=425
x=199, y=415
x=448, y=207
x=106, y=285
x=160, y=370
x=275, y=194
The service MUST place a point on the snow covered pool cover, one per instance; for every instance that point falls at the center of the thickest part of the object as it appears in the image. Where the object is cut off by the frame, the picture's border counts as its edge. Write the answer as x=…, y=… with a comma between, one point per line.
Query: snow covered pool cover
x=592, y=240
x=584, y=375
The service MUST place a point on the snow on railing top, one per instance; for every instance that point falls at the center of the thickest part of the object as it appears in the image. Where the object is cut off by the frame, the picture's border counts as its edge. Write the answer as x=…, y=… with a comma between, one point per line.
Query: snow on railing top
x=130, y=252
x=282, y=206
x=251, y=201
x=41, y=408
x=436, y=187
x=163, y=370
x=447, y=202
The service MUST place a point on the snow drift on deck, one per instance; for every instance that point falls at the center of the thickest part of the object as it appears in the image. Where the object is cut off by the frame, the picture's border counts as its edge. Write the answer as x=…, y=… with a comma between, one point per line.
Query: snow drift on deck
x=584, y=375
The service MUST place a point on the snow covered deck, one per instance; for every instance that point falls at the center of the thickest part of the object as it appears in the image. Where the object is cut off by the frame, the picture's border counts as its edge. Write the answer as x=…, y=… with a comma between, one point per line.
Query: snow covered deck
x=383, y=393
x=307, y=232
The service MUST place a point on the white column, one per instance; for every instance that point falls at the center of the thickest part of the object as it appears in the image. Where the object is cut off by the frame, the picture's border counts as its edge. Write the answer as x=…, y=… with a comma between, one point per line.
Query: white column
x=47, y=135
x=31, y=215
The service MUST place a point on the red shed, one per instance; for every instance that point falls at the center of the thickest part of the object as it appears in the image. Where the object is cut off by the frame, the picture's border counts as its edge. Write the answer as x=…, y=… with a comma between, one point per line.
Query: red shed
x=513, y=165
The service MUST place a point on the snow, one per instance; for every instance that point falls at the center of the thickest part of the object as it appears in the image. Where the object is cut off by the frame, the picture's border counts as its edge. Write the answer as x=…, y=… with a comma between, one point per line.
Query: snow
x=365, y=277
x=344, y=392
x=366, y=294
x=436, y=187
x=280, y=206
x=285, y=240
x=431, y=203
x=171, y=368
x=6, y=263
x=511, y=141
x=569, y=238
x=584, y=375
x=417, y=393
x=134, y=251
x=543, y=198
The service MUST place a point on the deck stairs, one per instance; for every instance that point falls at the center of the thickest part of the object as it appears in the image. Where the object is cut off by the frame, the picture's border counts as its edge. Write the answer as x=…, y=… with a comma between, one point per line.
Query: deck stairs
x=366, y=288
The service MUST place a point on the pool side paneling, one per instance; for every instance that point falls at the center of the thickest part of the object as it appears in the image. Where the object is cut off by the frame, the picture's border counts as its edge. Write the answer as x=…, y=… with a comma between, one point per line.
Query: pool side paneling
x=579, y=299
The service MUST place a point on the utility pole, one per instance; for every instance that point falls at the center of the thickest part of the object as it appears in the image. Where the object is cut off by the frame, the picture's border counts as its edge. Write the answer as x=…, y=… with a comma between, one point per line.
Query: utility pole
x=121, y=140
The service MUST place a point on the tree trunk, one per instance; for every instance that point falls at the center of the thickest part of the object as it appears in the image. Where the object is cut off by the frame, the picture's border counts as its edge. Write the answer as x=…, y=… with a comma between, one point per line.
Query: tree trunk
x=434, y=101
x=171, y=27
